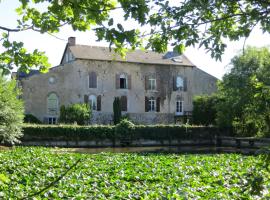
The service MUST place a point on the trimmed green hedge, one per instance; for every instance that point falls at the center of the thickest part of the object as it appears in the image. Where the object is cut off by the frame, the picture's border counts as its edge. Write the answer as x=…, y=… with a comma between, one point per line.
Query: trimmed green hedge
x=155, y=132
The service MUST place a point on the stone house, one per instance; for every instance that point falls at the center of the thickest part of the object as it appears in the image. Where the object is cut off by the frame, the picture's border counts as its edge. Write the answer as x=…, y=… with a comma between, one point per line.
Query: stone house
x=153, y=87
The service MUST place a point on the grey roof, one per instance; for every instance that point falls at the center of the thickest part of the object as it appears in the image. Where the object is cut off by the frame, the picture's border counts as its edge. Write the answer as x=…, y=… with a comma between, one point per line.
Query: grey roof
x=137, y=56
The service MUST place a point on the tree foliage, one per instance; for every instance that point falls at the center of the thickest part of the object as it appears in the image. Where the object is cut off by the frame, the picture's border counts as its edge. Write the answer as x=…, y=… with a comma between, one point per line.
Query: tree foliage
x=75, y=113
x=117, y=115
x=204, y=110
x=11, y=112
x=245, y=94
x=181, y=24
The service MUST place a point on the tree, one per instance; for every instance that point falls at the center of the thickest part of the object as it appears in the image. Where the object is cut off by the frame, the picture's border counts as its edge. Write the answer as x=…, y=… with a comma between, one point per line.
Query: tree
x=117, y=115
x=11, y=112
x=181, y=24
x=245, y=94
x=75, y=113
x=204, y=110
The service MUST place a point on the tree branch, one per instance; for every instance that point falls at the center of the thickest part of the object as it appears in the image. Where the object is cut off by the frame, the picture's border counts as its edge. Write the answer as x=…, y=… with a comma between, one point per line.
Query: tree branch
x=16, y=29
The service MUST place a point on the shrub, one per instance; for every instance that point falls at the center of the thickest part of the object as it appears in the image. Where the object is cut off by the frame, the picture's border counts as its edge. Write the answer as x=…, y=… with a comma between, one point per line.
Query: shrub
x=124, y=128
x=11, y=112
x=75, y=113
x=204, y=110
x=29, y=118
x=116, y=110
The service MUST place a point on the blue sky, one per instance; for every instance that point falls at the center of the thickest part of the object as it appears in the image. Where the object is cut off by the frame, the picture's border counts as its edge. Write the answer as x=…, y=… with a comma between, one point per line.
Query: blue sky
x=54, y=47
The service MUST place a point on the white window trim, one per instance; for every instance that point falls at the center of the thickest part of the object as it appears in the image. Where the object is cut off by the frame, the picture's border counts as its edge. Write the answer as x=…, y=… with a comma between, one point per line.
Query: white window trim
x=152, y=82
x=181, y=104
x=152, y=102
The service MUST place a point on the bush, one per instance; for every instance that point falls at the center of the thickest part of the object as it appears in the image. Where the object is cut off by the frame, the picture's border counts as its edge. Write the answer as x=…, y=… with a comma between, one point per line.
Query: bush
x=75, y=113
x=29, y=118
x=124, y=128
x=204, y=110
x=116, y=110
x=11, y=112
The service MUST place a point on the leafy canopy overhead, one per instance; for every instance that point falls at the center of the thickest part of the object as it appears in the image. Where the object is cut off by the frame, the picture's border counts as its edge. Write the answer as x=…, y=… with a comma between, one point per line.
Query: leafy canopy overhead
x=177, y=23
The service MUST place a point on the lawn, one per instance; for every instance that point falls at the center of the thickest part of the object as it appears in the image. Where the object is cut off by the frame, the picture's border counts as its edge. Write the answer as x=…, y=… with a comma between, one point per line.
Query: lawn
x=47, y=173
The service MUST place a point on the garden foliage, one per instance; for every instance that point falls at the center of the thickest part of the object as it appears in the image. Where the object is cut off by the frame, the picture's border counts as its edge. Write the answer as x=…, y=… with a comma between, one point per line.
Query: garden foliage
x=122, y=130
x=24, y=172
x=11, y=112
x=29, y=118
x=204, y=110
x=75, y=113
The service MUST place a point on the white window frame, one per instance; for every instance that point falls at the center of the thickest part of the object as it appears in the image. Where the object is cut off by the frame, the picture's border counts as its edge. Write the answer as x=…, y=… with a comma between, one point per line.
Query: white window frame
x=123, y=76
x=179, y=107
x=152, y=83
x=152, y=104
x=93, y=102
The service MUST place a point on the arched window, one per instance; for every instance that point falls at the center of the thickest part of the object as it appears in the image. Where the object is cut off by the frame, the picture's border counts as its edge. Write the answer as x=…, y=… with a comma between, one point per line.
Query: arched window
x=52, y=104
x=179, y=83
x=93, y=102
x=92, y=80
x=123, y=81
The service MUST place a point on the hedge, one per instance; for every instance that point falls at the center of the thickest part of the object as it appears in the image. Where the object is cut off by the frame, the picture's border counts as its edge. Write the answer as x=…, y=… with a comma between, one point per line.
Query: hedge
x=154, y=132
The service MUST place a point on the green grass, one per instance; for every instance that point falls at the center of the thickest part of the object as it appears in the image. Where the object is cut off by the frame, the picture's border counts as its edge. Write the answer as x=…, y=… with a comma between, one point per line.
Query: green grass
x=25, y=171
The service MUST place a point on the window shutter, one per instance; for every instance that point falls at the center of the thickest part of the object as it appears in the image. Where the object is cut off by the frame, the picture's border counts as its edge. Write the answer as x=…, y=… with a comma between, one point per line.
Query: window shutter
x=123, y=103
x=99, y=103
x=129, y=81
x=174, y=83
x=94, y=79
x=158, y=105
x=158, y=83
x=86, y=98
x=117, y=81
x=146, y=82
x=185, y=84
x=146, y=104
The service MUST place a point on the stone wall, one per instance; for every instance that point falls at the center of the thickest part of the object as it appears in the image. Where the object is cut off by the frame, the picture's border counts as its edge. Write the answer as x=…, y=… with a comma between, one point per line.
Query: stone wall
x=71, y=84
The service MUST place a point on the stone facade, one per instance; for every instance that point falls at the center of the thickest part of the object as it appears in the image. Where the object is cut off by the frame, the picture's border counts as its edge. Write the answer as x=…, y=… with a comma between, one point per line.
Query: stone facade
x=70, y=83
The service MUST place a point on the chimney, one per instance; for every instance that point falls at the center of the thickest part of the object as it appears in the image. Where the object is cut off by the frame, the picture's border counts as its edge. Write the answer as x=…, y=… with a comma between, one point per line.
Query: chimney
x=71, y=41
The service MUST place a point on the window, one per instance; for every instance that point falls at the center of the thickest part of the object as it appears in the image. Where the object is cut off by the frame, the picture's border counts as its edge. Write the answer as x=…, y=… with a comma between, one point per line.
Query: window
x=152, y=83
x=179, y=107
x=179, y=83
x=123, y=81
x=51, y=120
x=93, y=102
x=151, y=104
x=52, y=104
x=93, y=80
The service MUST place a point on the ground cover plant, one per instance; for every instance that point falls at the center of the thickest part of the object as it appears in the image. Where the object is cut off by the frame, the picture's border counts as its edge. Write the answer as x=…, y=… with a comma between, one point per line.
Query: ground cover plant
x=48, y=173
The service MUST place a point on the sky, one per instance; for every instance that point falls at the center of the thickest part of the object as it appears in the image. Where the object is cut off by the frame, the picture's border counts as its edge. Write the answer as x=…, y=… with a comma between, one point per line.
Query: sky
x=54, y=47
